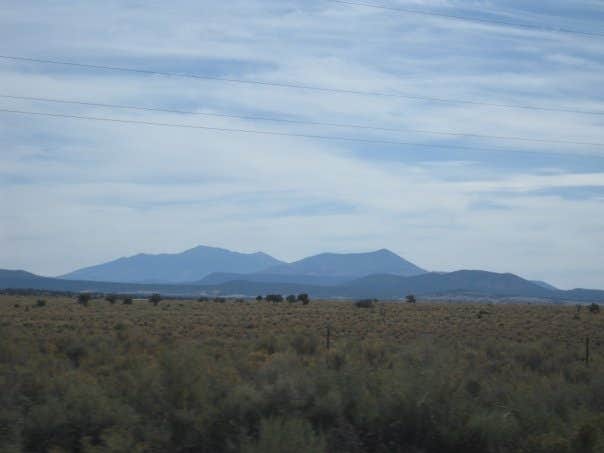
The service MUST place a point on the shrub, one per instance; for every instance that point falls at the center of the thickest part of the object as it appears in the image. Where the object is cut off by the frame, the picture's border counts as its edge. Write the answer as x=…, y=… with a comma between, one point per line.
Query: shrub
x=211, y=379
x=77, y=419
x=155, y=299
x=269, y=344
x=585, y=438
x=305, y=344
x=279, y=435
x=75, y=352
x=303, y=298
x=594, y=308
x=291, y=298
x=127, y=301
x=40, y=303
x=274, y=298
x=259, y=298
x=364, y=303
x=410, y=299
x=83, y=299
x=203, y=299
x=375, y=353
x=111, y=298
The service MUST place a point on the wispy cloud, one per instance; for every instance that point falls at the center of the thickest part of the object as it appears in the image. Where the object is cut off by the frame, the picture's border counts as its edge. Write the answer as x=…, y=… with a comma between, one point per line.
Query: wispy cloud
x=109, y=190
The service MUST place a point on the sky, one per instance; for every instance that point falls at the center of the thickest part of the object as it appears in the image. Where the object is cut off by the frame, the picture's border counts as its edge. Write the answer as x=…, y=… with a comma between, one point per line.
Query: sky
x=77, y=192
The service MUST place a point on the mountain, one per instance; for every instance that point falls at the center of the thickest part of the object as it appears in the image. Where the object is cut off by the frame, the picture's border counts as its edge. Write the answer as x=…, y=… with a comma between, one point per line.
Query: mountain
x=544, y=285
x=464, y=281
x=207, y=265
x=218, y=278
x=469, y=283
x=348, y=265
x=10, y=279
x=188, y=266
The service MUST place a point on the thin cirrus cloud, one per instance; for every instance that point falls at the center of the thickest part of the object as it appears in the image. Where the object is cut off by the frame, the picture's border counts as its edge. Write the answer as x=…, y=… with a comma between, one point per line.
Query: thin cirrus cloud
x=113, y=190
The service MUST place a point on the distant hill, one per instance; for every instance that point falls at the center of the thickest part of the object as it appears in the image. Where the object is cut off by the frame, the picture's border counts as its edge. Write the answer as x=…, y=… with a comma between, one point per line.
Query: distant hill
x=188, y=266
x=18, y=275
x=218, y=278
x=208, y=265
x=24, y=280
x=387, y=287
x=349, y=265
x=469, y=281
x=544, y=285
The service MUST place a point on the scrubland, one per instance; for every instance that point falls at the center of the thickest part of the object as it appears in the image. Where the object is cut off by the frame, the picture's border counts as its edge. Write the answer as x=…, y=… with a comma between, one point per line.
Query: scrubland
x=190, y=376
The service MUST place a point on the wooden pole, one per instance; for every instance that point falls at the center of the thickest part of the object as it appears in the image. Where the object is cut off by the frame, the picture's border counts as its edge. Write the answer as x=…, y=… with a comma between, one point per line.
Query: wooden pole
x=328, y=336
x=587, y=351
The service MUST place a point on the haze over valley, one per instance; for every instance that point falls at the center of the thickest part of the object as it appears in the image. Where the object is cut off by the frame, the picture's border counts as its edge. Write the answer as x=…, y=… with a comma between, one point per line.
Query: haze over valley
x=214, y=271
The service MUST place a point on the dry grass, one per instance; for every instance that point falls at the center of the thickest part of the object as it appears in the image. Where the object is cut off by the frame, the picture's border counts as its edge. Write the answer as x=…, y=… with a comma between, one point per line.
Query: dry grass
x=237, y=321
x=188, y=376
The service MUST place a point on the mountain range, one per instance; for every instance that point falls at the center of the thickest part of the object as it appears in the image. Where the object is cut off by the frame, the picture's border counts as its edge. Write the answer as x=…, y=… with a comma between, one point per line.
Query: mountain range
x=201, y=264
x=212, y=271
x=188, y=266
x=465, y=284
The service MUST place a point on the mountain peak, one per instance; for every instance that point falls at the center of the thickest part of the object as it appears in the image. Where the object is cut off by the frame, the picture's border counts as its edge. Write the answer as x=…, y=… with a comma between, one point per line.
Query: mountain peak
x=350, y=264
x=191, y=265
x=385, y=252
x=204, y=248
x=200, y=261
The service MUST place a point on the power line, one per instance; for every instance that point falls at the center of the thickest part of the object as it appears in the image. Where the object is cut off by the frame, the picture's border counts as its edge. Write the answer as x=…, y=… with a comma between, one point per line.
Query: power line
x=288, y=134
x=304, y=122
x=473, y=19
x=304, y=87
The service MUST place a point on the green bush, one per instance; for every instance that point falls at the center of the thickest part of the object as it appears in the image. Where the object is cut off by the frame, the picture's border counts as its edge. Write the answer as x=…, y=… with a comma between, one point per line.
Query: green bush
x=286, y=435
x=365, y=303
x=303, y=298
x=155, y=299
x=134, y=385
x=274, y=298
x=305, y=343
x=83, y=299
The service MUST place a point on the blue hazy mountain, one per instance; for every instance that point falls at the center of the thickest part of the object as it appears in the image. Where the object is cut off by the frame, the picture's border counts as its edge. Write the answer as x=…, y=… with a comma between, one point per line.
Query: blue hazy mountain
x=188, y=266
x=348, y=265
x=544, y=285
x=386, y=287
x=207, y=270
x=437, y=283
x=208, y=265
x=219, y=278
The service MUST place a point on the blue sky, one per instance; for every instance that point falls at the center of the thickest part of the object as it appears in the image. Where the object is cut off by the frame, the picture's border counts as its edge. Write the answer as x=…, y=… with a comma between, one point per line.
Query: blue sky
x=76, y=192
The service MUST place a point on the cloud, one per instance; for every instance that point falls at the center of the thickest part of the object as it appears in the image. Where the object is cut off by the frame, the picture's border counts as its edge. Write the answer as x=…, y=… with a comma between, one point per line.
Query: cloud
x=77, y=192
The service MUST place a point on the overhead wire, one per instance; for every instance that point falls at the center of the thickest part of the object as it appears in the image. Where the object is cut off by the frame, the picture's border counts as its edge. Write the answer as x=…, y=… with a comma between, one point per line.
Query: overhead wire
x=289, y=134
x=297, y=121
x=295, y=85
x=481, y=20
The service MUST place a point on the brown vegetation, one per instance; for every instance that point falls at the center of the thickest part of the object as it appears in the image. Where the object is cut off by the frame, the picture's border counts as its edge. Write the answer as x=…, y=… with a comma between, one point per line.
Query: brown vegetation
x=255, y=376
